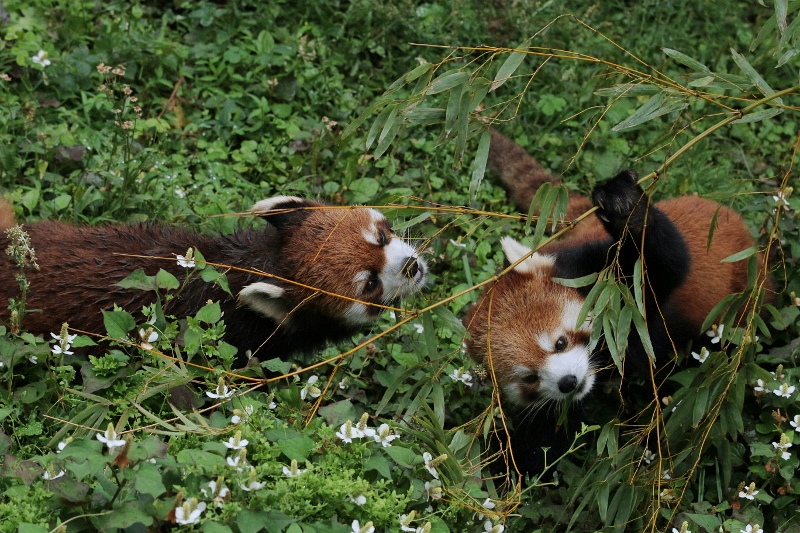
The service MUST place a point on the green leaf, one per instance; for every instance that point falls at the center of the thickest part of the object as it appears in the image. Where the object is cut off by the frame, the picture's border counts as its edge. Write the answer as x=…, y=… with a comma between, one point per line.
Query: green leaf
x=744, y=254
x=165, y=280
x=298, y=448
x=363, y=190
x=147, y=480
x=378, y=462
x=658, y=105
x=507, y=69
x=446, y=81
x=254, y=521
x=757, y=116
x=337, y=413
x=277, y=365
x=686, y=60
x=209, y=313
x=138, y=280
x=388, y=133
x=754, y=76
x=479, y=163
x=378, y=124
x=353, y=126
x=402, y=456
x=118, y=323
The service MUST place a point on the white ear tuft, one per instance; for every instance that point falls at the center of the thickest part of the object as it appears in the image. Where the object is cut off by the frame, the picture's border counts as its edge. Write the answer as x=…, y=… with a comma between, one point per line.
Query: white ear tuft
x=264, y=298
x=533, y=263
x=269, y=204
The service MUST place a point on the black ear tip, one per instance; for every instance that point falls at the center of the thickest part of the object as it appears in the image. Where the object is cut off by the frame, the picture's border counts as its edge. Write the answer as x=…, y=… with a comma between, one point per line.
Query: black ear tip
x=630, y=174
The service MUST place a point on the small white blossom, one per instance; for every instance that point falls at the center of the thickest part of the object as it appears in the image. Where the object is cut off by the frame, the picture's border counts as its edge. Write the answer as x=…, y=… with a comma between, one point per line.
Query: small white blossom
x=358, y=499
x=405, y=522
x=221, y=391
x=33, y=359
x=189, y=512
x=459, y=375
x=684, y=528
x=236, y=442
x=648, y=456
x=348, y=432
x=795, y=423
x=702, y=356
x=50, y=474
x=69, y=339
x=666, y=475
x=429, y=464
x=783, y=448
x=253, y=485
x=293, y=470
x=715, y=333
x=63, y=444
x=148, y=337
x=488, y=527
x=384, y=435
x=784, y=391
x=780, y=198
x=110, y=438
x=310, y=389
x=748, y=492
x=434, y=490
x=238, y=461
x=487, y=504
x=236, y=419
x=752, y=529
x=186, y=261
x=217, y=491
x=366, y=528
x=41, y=59
x=418, y=327
x=760, y=386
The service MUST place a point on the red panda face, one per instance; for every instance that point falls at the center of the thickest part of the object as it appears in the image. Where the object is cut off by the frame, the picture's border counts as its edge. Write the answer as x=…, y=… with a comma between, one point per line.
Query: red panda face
x=350, y=252
x=525, y=329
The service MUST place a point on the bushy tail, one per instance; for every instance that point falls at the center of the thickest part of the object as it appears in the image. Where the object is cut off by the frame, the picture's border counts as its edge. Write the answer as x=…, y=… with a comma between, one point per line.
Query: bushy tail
x=522, y=175
x=6, y=214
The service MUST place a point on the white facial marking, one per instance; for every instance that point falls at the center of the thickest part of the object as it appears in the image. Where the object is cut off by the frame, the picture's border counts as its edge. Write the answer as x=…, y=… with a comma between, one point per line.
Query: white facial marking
x=361, y=276
x=268, y=204
x=574, y=362
x=371, y=235
x=544, y=342
x=377, y=216
x=264, y=298
x=570, y=314
x=396, y=284
x=514, y=251
x=357, y=315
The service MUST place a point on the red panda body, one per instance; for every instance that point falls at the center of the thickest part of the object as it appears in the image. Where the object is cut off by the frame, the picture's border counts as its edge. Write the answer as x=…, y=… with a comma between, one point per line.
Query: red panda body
x=524, y=327
x=347, y=252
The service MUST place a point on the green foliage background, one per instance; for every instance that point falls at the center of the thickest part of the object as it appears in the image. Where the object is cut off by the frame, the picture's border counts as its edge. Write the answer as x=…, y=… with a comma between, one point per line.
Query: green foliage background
x=245, y=100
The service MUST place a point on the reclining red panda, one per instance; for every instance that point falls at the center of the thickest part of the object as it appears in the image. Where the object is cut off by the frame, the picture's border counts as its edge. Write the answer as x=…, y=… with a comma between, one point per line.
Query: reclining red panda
x=525, y=325
x=348, y=252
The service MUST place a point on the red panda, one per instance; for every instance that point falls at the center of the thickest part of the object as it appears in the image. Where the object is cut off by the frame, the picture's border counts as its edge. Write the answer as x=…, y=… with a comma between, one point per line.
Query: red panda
x=525, y=327
x=349, y=252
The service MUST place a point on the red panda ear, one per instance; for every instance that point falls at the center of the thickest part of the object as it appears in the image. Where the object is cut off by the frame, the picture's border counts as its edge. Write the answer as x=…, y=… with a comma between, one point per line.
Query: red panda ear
x=265, y=298
x=535, y=262
x=282, y=211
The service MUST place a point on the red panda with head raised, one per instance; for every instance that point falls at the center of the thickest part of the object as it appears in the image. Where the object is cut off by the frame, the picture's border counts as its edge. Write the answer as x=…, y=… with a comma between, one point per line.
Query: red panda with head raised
x=525, y=326
x=346, y=264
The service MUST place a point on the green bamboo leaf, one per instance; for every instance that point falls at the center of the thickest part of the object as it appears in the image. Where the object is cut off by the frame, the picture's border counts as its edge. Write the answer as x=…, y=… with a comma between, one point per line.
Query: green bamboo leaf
x=789, y=54
x=389, y=132
x=453, y=108
x=479, y=163
x=353, y=126
x=700, y=406
x=507, y=69
x=754, y=76
x=446, y=81
x=685, y=60
x=424, y=115
x=781, y=9
x=744, y=254
x=758, y=116
x=378, y=126
x=644, y=335
x=577, y=282
x=656, y=106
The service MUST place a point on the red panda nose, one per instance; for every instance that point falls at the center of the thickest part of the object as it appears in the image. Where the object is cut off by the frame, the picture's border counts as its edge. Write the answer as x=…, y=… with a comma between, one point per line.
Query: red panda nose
x=410, y=267
x=567, y=384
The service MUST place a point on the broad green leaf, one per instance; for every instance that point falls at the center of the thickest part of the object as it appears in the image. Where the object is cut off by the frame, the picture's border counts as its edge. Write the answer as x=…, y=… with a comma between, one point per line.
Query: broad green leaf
x=298, y=448
x=754, y=76
x=138, y=280
x=118, y=323
x=658, y=105
x=686, y=60
x=209, y=313
x=446, y=81
x=147, y=480
x=403, y=456
x=165, y=280
x=507, y=69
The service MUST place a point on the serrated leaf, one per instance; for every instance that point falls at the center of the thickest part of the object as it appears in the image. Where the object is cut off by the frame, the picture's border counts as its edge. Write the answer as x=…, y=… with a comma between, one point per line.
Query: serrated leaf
x=754, y=76
x=658, y=105
x=507, y=69
x=446, y=81
x=686, y=60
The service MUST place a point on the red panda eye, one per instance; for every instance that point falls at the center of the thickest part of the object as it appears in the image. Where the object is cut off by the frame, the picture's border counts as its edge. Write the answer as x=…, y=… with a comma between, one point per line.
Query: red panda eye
x=372, y=283
x=383, y=238
x=530, y=379
x=561, y=344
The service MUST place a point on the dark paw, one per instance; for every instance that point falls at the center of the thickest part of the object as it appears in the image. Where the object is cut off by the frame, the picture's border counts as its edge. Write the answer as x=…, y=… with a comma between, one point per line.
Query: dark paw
x=618, y=198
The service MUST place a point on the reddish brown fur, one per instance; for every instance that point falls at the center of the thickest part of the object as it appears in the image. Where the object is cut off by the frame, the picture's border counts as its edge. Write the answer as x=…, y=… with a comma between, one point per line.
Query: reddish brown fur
x=6, y=214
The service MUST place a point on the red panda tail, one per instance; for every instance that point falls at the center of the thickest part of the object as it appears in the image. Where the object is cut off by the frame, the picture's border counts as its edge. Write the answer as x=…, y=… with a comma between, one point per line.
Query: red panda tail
x=6, y=214
x=522, y=175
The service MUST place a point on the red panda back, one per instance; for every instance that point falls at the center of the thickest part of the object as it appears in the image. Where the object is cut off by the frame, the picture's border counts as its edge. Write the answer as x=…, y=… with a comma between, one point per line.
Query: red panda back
x=6, y=214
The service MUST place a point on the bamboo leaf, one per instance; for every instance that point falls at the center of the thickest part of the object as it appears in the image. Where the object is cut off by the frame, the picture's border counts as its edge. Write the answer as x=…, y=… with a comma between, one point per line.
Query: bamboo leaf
x=683, y=59
x=781, y=9
x=353, y=126
x=656, y=106
x=479, y=163
x=744, y=254
x=759, y=115
x=507, y=69
x=377, y=126
x=446, y=81
x=754, y=76
x=389, y=132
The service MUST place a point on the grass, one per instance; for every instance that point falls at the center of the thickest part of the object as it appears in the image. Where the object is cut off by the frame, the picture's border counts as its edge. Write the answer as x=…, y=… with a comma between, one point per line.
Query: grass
x=240, y=101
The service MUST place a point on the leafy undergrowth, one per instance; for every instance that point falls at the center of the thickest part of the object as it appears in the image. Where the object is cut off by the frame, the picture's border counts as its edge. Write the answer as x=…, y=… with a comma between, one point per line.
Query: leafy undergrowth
x=133, y=111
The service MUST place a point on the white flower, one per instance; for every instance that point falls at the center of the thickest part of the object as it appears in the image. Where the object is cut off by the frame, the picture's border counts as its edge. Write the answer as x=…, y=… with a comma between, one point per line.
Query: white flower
x=217, y=491
x=69, y=338
x=702, y=356
x=384, y=435
x=186, y=261
x=488, y=527
x=487, y=504
x=253, y=485
x=237, y=461
x=293, y=470
x=109, y=438
x=33, y=359
x=684, y=528
x=752, y=529
x=784, y=391
x=236, y=419
x=459, y=375
x=221, y=391
x=147, y=336
x=666, y=475
x=783, y=447
x=236, y=442
x=347, y=432
x=795, y=423
x=419, y=327
x=760, y=386
x=310, y=388
x=360, y=499
x=405, y=522
x=63, y=444
x=367, y=528
x=272, y=405
x=781, y=198
x=715, y=333
x=434, y=490
x=50, y=474
x=189, y=512
x=429, y=464
x=748, y=492
x=648, y=456
x=458, y=244
x=41, y=59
